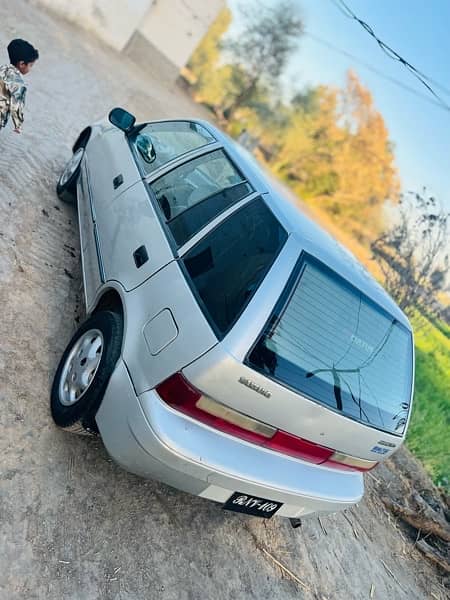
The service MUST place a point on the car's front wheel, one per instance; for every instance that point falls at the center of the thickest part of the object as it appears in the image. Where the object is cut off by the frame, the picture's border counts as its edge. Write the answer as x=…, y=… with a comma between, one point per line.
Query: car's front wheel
x=84, y=372
x=66, y=188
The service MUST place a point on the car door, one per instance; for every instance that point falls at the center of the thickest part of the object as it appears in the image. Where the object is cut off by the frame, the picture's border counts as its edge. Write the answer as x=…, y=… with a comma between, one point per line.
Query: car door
x=132, y=242
x=109, y=169
x=150, y=221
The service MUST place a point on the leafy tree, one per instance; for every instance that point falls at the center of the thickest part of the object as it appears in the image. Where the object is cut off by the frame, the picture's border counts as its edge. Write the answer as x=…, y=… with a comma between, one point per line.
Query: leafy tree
x=260, y=50
x=306, y=99
x=336, y=153
x=306, y=158
x=413, y=254
x=330, y=145
x=365, y=160
x=212, y=76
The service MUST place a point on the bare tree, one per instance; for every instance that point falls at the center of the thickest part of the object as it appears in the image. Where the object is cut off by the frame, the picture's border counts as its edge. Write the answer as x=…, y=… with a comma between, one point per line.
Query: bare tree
x=260, y=50
x=414, y=254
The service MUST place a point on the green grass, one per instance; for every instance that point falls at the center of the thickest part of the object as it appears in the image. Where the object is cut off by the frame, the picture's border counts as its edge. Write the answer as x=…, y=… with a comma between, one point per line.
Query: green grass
x=429, y=431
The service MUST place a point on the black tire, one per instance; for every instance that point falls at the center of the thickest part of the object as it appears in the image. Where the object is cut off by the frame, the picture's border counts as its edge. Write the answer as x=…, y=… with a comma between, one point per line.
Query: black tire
x=66, y=188
x=79, y=417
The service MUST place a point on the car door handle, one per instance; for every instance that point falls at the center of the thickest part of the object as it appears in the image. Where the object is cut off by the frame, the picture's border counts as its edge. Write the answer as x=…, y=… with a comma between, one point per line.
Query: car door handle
x=117, y=181
x=140, y=256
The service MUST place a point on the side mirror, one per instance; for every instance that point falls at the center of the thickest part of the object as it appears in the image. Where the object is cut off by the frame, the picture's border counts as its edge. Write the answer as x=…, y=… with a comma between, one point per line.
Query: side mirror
x=122, y=119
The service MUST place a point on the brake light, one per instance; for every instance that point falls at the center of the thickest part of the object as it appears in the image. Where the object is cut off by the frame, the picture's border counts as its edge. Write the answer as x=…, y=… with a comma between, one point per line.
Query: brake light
x=181, y=395
x=287, y=443
x=178, y=393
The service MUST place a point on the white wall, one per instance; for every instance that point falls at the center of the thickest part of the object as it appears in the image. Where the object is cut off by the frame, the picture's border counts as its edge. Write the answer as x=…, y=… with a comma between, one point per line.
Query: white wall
x=114, y=21
x=176, y=27
x=173, y=27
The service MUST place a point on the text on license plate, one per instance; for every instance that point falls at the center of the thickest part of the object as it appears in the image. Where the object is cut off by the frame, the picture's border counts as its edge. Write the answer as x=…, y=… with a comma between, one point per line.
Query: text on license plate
x=252, y=505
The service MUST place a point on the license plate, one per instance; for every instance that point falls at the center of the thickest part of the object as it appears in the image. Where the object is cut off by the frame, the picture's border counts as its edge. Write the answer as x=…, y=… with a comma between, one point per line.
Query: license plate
x=252, y=505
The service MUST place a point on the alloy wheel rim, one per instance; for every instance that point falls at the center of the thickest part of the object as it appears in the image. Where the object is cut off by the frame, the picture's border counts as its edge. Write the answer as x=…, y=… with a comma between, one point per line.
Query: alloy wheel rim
x=81, y=367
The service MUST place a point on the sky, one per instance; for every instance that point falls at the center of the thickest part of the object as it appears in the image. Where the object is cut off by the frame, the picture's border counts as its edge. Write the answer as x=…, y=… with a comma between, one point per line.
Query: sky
x=420, y=32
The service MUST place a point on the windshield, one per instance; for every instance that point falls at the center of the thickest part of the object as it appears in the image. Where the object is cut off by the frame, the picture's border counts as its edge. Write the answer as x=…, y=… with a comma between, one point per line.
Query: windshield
x=169, y=140
x=329, y=342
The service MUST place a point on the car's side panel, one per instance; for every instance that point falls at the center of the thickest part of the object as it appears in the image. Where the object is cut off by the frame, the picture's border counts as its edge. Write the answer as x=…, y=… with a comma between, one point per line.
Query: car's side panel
x=133, y=242
x=109, y=156
x=92, y=276
x=111, y=170
x=165, y=328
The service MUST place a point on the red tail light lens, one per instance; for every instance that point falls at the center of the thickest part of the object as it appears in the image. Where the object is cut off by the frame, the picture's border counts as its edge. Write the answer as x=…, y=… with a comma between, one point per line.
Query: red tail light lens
x=299, y=448
x=181, y=395
x=177, y=392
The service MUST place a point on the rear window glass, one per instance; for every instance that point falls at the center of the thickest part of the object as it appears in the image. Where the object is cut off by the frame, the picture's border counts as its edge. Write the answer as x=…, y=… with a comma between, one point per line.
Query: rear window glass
x=169, y=140
x=193, y=194
x=329, y=342
x=228, y=265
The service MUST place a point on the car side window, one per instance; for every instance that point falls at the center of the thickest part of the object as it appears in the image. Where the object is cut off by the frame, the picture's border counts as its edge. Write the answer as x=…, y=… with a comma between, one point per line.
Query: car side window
x=228, y=265
x=193, y=194
x=158, y=143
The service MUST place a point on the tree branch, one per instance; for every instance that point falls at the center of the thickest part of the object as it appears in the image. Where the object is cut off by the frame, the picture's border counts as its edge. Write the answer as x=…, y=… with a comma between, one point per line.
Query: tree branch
x=424, y=518
x=434, y=555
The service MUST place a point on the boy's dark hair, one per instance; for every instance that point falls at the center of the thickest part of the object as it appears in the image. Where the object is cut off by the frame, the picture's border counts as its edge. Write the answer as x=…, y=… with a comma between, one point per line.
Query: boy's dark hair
x=19, y=50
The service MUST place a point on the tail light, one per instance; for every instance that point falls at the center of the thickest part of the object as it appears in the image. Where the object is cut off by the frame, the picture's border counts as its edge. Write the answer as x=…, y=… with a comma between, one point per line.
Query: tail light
x=178, y=393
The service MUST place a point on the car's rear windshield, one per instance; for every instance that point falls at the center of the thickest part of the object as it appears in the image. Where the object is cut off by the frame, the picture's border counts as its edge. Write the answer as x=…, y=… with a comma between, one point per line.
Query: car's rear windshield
x=226, y=268
x=332, y=344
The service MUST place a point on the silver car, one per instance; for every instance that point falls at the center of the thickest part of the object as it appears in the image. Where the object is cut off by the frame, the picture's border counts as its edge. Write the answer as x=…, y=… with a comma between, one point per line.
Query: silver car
x=232, y=349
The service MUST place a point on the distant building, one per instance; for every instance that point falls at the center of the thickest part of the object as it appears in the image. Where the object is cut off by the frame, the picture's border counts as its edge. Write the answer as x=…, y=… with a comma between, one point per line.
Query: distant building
x=160, y=35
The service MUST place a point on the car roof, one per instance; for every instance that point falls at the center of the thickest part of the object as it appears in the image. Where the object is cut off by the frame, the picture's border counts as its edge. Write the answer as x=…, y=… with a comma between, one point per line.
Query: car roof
x=311, y=237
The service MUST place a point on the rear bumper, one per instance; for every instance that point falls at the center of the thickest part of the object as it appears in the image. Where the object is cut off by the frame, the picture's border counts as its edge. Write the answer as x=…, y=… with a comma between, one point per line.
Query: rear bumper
x=147, y=437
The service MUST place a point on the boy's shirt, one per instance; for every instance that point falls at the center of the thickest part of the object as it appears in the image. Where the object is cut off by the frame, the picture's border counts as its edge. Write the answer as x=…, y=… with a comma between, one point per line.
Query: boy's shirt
x=12, y=96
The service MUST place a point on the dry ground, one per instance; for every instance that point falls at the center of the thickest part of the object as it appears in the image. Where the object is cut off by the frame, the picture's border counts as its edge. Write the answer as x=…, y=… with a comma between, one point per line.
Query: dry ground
x=73, y=525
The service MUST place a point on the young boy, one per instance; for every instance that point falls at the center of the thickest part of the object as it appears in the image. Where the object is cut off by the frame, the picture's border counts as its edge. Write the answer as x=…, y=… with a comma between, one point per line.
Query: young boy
x=22, y=57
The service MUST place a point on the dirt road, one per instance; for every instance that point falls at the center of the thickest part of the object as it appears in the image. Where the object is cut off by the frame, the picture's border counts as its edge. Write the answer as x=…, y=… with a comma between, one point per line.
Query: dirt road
x=73, y=525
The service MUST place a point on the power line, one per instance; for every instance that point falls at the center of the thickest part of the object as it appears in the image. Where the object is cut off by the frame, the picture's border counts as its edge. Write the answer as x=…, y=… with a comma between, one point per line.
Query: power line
x=347, y=11
x=369, y=67
x=391, y=53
